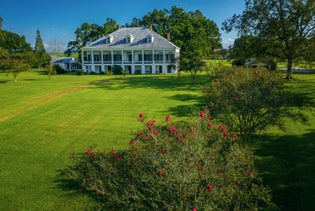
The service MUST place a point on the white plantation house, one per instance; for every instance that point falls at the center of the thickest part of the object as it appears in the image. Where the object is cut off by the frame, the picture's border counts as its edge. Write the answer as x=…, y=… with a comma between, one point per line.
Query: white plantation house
x=135, y=49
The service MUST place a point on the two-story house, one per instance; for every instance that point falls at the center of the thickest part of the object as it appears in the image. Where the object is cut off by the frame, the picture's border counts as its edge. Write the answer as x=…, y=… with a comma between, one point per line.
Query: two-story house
x=135, y=49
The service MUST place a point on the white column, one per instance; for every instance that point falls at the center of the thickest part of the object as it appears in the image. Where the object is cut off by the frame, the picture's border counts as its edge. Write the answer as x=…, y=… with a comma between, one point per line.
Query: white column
x=112, y=55
x=102, y=62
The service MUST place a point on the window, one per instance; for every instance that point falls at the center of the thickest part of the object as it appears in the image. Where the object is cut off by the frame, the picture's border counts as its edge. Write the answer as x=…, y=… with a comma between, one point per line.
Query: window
x=129, y=38
x=87, y=56
x=109, y=39
x=150, y=38
x=97, y=57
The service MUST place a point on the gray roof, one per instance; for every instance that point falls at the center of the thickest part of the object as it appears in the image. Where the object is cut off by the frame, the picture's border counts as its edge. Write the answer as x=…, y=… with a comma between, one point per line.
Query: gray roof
x=139, y=35
x=62, y=60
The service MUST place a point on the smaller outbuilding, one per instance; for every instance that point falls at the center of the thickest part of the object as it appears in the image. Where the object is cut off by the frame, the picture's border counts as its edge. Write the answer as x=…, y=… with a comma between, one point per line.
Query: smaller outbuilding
x=68, y=64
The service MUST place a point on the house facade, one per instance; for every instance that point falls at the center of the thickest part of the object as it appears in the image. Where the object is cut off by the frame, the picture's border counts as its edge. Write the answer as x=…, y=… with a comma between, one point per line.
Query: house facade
x=135, y=49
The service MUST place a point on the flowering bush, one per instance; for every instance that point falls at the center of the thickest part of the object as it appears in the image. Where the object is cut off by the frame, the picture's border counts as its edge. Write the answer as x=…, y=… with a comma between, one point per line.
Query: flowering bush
x=195, y=165
x=249, y=100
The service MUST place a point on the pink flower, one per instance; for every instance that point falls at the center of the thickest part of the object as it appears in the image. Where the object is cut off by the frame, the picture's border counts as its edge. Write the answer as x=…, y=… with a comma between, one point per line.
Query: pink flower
x=223, y=128
x=210, y=187
x=234, y=185
x=89, y=152
x=141, y=134
x=250, y=174
x=202, y=114
x=172, y=130
x=216, y=80
x=220, y=174
x=214, y=92
x=141, y=115
x=131, y=142
x=234, y=137
x=225, y=134
x=118, y=157
x=168, y=118
x=161, y=172
x=194, y=209
x=198, y=165
x=236, y=99
x=155, y=132
x=163, y=150
x=192, y=131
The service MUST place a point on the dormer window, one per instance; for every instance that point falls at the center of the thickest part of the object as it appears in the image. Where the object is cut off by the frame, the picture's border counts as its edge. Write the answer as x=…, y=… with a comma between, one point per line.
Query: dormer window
x=109, y=39
x=129, y=38
x=150, y=38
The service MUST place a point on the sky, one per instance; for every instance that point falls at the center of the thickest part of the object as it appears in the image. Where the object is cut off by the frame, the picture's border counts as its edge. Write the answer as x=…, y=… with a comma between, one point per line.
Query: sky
x=57, y=20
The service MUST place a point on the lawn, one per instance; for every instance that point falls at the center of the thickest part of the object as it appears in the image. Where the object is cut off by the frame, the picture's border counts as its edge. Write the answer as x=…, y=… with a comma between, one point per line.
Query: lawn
x=42, y=120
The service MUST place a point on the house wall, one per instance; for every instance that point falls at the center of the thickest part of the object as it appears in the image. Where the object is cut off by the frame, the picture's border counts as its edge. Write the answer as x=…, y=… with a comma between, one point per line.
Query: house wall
x=153, y=61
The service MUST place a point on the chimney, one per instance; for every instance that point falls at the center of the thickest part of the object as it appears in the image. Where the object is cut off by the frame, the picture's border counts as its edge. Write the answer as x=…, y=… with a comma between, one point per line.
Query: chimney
x=151, y=27
x=118, y=27
x=168, y=36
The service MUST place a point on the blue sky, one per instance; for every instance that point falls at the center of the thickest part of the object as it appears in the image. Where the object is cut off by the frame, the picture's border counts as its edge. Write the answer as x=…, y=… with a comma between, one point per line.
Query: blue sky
x=58, y=19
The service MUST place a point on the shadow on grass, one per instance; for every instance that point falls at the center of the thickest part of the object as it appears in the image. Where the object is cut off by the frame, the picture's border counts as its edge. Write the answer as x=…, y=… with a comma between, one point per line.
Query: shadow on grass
x=287, y=166
x=73, y=190
x=163, y=82
x=186, y=110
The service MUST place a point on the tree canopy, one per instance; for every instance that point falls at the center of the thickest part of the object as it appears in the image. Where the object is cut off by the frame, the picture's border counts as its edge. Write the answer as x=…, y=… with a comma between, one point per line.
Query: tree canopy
x=283, y=28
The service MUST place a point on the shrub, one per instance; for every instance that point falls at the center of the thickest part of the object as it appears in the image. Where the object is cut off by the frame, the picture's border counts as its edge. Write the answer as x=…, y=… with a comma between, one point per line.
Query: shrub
x=184, y=166
x=238, y=62
x=249, y=100
x=125, y=72
x=108, y=72
x=80, y=72
x=138, y=72
x=58, y=69
x=117, y=70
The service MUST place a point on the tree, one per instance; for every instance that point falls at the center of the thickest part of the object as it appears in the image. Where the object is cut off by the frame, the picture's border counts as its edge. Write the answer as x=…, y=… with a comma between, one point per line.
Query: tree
x=42, y=57
x=13, y=42
x=88, y=33
x=1, y=23
x=249, y=101
x=55, y=46
x=14, y=66
x=284, y=25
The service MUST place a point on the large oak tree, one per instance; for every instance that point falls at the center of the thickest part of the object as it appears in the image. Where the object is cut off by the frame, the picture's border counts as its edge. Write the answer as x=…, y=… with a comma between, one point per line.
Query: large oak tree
x=284, y=26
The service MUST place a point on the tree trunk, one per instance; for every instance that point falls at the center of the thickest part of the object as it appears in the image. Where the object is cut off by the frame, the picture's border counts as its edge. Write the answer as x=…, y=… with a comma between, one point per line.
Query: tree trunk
x=289, y=70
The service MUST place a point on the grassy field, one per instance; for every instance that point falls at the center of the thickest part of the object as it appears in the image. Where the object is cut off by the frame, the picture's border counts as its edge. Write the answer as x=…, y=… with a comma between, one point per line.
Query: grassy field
x=42, y=120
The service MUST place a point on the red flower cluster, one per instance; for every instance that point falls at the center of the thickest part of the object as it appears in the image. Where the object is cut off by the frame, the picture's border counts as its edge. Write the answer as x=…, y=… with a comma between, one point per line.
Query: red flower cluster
x=118, y=157
x=202, y=114
x=172, y=130
x=167, y=118
x=141, y=115
x=89, y=152
x=210, y=187
x=161, y=172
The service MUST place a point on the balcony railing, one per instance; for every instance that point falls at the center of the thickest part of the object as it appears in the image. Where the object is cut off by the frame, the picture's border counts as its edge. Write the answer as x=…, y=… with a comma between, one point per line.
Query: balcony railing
x=127, y=61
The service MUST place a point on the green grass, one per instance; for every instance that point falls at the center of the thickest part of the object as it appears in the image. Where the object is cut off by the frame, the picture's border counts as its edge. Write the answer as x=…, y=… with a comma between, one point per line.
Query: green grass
x=42, y=120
